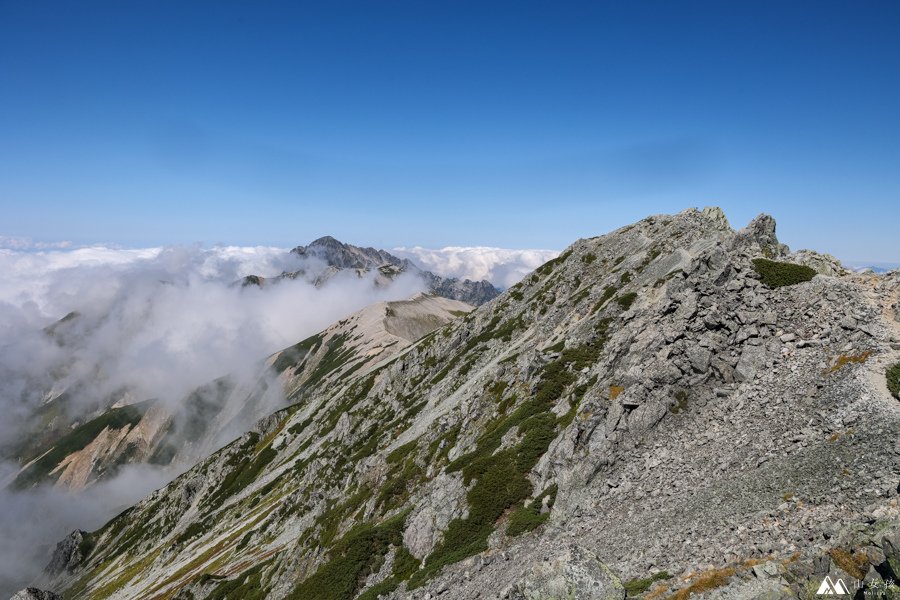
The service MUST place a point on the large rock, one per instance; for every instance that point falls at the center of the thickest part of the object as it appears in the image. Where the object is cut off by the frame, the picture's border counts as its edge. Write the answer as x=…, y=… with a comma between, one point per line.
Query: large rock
x=824, y=264
x=761, y=233
x=645, y=416
x=573, y=573
x=35, y=594
x=890, y=545
x=67, y=554
x=753, y=358
x=437, y=510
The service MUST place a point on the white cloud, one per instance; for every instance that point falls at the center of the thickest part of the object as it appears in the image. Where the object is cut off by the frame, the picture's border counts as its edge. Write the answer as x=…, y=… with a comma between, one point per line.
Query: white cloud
x=502, y=267
x=165, y=320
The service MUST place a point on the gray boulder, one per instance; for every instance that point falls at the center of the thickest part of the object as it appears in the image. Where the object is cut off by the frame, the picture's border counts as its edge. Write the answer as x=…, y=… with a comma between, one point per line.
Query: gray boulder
x=753, y=358
x=890, y=545
x=67, y=554
x=572, y=573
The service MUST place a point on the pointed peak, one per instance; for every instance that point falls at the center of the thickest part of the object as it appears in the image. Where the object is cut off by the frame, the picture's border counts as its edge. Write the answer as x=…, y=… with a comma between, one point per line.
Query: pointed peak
x=761, y=231
x=326, y=240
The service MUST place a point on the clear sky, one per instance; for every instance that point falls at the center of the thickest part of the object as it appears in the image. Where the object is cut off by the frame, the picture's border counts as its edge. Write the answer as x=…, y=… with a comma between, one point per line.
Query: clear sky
x=515, y=124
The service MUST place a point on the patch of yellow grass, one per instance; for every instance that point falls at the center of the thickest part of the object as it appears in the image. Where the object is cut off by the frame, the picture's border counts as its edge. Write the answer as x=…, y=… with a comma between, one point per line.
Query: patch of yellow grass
x=856, y=564
x=752, y=562
x=658, y=589
x=845, y=359
x=614, y=391
x=704, y=582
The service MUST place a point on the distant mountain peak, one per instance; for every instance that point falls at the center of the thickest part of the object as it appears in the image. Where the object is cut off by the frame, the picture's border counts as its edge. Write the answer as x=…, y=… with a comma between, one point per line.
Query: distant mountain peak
x=341, y=255
x=326, y=240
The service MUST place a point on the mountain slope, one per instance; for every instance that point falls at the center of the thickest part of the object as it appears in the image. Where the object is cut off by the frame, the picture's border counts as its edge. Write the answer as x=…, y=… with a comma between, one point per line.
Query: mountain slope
x=642, y=407
x=218, y=412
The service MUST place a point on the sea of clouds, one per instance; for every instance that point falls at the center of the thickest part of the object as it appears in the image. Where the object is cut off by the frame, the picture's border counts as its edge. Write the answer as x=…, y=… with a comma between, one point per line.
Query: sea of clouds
x=501, y=266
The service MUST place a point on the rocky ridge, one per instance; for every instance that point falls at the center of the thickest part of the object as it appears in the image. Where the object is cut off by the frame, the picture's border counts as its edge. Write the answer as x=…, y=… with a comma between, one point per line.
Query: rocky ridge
x=641, y=416
x=341, y=257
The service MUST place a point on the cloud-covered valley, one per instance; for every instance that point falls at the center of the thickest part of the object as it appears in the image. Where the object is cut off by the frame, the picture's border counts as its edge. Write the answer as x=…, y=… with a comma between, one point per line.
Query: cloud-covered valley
x=502, y=267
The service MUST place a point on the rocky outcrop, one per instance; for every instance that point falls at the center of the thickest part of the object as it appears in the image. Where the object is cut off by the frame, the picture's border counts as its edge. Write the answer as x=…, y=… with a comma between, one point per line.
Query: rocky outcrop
x=824, y=264
x=69, y=553
x=642, y=413
x=35, y=594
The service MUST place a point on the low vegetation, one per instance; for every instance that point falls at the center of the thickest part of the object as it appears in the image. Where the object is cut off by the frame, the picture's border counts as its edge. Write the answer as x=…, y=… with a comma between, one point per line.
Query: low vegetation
x=296, y=354
x=893, y=380
x=639, y=586
x=855, y=564
x=355, y=556
x=608, y=293
x=529, y=517
x=405, y=564
x=779, y=274
x=501, y=481
x=246, y=586
x=845, y=359
x=244, y=468
x=626, y=300
x=681, y=402
x=547, y=267
x=704, y=582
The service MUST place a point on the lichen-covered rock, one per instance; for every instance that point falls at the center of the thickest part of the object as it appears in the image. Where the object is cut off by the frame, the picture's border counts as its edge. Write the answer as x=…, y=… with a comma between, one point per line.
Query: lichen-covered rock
x=572, y=573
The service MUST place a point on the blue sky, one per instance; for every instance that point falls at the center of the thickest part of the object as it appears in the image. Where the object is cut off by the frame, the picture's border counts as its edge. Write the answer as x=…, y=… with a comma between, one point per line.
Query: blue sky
x=514, y=124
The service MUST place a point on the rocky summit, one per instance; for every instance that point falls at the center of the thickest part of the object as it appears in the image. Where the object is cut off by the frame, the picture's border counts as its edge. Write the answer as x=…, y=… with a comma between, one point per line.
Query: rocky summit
x=674, y=409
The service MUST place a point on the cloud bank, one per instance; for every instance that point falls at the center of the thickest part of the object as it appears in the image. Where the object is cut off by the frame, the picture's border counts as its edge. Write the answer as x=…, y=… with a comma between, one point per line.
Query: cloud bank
x=502, y=267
